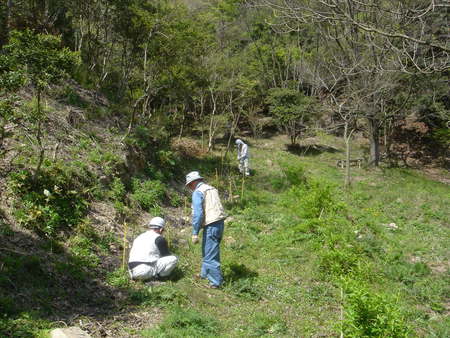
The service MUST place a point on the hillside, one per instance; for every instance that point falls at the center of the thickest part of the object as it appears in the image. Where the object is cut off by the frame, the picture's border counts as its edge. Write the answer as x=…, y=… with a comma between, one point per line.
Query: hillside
x=302, y=256
x=342, y=228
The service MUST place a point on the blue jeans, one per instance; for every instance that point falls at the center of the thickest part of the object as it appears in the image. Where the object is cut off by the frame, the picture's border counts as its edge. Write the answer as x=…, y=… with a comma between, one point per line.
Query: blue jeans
x=212, y=235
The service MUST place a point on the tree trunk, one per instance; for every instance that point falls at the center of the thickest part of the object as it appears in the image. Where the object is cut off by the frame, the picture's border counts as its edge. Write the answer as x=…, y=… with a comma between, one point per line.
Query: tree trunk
x=180, y=135
x=374, y=130
x=347, y=139
x=5, y=27
x=211, y=123
x=39, y=138
x=234, y=124
x=202, y=107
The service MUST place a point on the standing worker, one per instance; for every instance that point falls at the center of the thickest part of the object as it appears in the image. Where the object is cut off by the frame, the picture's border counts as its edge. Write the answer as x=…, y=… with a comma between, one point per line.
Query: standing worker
x=207, y=213
x=150, y=256
x=242, y=156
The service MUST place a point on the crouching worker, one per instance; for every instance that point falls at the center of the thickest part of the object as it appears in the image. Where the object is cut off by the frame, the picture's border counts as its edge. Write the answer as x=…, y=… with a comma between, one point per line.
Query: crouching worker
x=149, y=255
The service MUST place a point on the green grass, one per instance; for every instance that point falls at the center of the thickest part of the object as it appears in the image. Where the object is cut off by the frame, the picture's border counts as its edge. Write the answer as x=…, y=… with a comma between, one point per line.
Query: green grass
x=301, y=255
x=300, y=249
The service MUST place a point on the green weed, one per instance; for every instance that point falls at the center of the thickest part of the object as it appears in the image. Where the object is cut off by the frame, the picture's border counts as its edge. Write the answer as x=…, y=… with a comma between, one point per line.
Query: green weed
x=371, y=314
x=185, y=322
x=265, y=324
x=108, y=161
x=53, y=202
x=81, y=248
x=117, y=190
x=118, y=278
x=148, y=194
x=160, y=296
x=27, y=325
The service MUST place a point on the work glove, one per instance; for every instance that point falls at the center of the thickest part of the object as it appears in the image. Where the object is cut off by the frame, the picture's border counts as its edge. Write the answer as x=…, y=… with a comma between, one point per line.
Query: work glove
x=194, y=239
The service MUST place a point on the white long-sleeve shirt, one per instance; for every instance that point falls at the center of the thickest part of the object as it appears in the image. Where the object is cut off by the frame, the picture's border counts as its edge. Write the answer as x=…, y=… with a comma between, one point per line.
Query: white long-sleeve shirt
x=148, y=247
x=242, y=151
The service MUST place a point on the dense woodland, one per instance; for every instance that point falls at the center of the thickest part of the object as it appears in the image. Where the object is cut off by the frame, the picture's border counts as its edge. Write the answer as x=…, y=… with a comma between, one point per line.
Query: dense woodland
x=105, y=105
x=376, y=68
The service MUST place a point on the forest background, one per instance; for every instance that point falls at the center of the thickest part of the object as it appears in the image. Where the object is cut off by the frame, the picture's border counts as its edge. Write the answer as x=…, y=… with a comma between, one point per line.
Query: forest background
x=176, y=67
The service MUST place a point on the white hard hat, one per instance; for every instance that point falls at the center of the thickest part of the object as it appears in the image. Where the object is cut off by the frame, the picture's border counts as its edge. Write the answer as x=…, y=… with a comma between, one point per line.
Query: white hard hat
x=156, y=222
x=193, y=176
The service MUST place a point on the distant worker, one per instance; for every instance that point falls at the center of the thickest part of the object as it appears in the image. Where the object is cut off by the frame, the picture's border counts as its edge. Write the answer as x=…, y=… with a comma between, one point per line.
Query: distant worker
x=207, y=213
x=242, y=156
x=150, y=256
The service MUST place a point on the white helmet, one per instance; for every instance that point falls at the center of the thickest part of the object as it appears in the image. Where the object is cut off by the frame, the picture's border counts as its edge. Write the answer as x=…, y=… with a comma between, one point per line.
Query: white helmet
x=193, y=176
x=156, y=223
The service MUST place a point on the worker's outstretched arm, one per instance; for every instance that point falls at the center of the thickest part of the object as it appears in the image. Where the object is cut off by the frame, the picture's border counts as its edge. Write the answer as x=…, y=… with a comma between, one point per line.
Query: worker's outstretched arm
x=197, y=216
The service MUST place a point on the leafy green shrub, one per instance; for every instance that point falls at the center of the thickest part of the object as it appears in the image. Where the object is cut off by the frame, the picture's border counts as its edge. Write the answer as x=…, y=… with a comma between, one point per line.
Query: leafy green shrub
x=370, y=314
x=148, y=194
x=338, y=262
x=117, y=189
x=117, y=194
x=175, y=199
x=316, y=200
x=313, y=200
x=107, y=160
x=148, y=138
x=292, y=174
x=295, y=174
x=181, y=322
x=53, y=202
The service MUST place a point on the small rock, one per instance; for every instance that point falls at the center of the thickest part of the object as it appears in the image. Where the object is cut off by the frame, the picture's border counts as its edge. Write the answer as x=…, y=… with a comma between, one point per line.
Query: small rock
x=69, y=332
x=392, y=226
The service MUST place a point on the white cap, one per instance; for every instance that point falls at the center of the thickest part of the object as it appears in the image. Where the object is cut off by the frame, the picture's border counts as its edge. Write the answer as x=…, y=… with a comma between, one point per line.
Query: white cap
x=156, y=223
x=238, y=141
x=193, y=176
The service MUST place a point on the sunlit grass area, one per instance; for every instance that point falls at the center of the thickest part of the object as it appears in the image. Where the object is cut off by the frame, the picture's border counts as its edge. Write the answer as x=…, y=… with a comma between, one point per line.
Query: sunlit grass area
x=303, y=256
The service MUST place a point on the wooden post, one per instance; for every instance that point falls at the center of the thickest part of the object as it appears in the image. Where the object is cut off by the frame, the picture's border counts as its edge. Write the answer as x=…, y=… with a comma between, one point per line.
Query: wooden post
x=124, y=245
x=342, y=313
x=242, y=188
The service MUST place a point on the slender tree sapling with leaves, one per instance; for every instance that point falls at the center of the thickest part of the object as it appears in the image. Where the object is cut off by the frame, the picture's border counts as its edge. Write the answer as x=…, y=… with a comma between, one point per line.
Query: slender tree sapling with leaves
x=11, y=79
x=43, y=62
x=292, y=109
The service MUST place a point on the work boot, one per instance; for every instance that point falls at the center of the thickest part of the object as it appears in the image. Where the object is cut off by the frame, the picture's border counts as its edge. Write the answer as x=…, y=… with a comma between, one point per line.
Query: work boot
x=210, y=286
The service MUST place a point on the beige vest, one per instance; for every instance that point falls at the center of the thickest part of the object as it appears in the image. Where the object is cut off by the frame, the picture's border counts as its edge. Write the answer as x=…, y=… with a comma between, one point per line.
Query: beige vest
x=212, y=207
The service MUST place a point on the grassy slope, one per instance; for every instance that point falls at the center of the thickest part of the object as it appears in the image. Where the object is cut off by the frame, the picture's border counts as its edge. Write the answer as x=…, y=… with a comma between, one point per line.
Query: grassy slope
x=279, y=279
x=274, y=285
